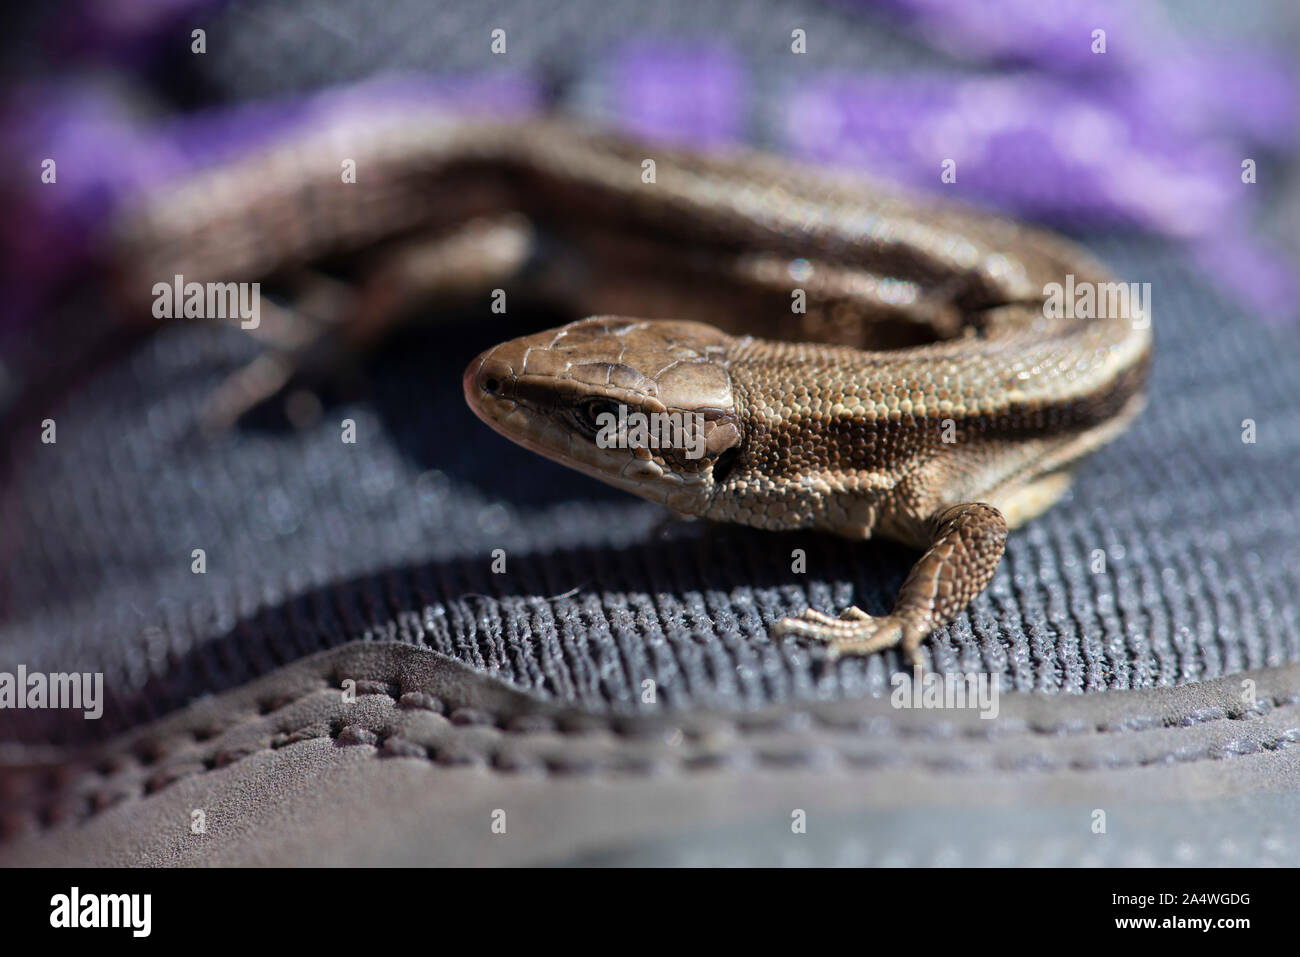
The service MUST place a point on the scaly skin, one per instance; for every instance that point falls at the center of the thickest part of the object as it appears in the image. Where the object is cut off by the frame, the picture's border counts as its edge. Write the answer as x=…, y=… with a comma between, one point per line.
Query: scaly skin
x=921, y=395
x=827, y=437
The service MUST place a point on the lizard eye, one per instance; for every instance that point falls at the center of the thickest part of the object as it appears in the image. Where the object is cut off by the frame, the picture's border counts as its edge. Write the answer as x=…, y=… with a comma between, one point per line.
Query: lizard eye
x=589, y=413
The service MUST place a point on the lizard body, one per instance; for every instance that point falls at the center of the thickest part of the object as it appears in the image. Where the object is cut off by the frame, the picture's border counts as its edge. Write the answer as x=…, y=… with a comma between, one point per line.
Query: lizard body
x=922, y=393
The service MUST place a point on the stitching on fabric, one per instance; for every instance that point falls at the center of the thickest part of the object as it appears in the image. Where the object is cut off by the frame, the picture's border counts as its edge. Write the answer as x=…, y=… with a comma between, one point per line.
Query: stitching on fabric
x=149, y=752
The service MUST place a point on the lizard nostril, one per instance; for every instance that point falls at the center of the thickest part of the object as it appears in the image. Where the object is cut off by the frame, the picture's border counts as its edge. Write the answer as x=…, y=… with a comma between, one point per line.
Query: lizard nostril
x=488, y=379
x=493, y=378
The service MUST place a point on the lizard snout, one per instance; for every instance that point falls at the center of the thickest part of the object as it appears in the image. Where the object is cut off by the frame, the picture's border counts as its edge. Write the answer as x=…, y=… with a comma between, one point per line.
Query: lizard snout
x=489, y=377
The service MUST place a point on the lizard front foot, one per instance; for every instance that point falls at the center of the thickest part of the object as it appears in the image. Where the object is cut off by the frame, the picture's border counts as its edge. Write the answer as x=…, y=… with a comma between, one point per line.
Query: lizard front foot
x=966, y=545
x=857, y=633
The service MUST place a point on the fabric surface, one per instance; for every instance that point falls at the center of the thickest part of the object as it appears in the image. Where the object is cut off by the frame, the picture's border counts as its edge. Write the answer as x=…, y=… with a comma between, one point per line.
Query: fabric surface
x=311, y=543
x=434, y=762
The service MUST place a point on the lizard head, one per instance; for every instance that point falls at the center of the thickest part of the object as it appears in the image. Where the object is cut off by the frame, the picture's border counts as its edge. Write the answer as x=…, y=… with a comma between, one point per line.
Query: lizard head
x=646, y=406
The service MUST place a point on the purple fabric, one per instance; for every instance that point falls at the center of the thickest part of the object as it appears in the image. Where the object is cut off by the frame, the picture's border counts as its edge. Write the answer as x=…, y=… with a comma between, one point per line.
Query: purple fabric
x=98, y=158
x=669, y=92
x=1149, y=135
x=1243, y=94
x=124, y=30
x=1020, y=142
x=104, y=158
x=1054, y=36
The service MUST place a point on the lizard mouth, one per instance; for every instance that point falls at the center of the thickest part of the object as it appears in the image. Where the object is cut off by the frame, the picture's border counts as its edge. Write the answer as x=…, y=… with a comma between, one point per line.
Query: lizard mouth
x=490, y=386
x=526, y=409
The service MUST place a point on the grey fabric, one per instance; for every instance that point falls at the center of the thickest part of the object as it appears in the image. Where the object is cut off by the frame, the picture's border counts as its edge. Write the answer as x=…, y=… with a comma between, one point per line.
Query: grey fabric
x=311, y=543
x=431, y=754
x=525, y=692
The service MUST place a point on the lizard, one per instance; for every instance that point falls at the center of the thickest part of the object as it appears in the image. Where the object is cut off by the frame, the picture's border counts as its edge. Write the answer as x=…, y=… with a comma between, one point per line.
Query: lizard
x=858, y=360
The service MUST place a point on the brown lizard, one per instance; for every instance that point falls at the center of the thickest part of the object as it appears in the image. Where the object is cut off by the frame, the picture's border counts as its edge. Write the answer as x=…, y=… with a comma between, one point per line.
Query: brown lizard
x=855, y=360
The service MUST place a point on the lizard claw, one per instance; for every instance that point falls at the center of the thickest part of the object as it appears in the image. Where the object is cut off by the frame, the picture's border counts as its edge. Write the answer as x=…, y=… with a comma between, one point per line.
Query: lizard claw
x=854, y=632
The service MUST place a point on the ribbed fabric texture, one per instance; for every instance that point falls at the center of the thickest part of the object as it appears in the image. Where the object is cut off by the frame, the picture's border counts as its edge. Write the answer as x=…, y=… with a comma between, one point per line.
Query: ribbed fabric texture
x=311, y=542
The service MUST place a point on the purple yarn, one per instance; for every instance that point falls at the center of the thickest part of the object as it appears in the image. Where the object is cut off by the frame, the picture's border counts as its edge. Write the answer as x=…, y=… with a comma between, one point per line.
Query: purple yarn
x=663, y=91
x=103, y=158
